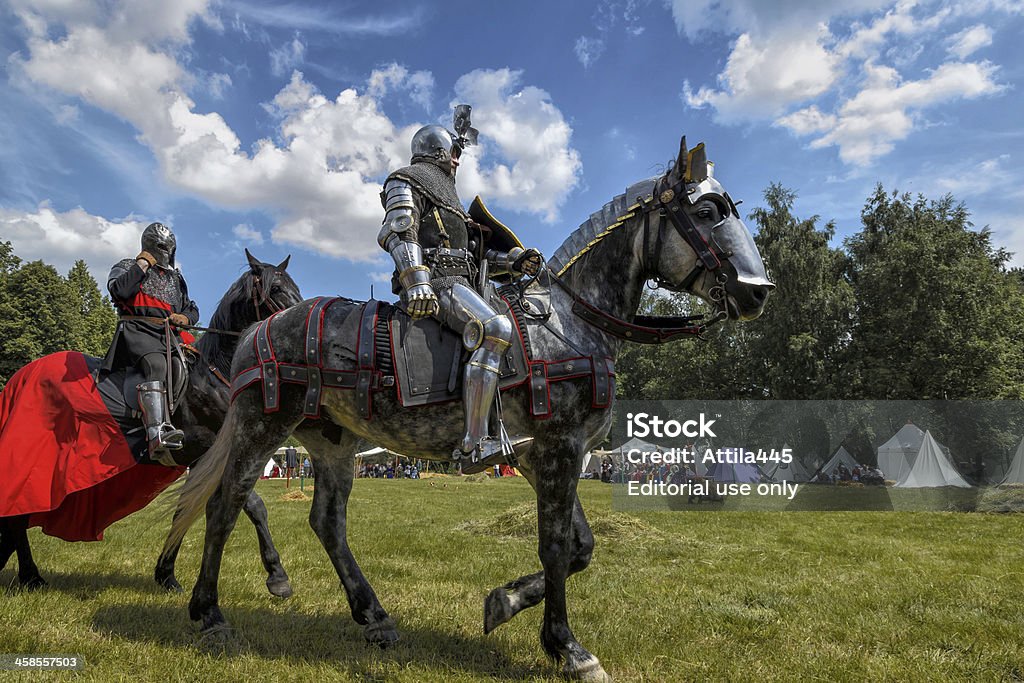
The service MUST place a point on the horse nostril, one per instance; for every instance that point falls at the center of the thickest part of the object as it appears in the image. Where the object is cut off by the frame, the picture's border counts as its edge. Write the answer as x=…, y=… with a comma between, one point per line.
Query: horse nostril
x=759, y=294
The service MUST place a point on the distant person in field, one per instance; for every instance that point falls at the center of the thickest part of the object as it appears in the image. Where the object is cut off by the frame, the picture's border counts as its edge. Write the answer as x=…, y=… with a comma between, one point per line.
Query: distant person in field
x=148, y=290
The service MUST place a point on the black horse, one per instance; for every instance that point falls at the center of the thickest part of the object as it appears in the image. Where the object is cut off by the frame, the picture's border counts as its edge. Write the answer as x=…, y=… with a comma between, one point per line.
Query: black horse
x=262, y=290
x=681, y=230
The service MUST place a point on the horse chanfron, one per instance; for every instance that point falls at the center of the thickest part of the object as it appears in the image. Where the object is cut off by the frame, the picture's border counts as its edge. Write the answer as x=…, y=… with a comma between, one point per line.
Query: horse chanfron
x=700, y=242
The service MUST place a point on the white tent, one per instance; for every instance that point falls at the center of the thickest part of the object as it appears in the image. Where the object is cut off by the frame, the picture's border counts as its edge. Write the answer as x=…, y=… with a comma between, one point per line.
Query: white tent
x=790, y=471
x=638, y=444
x=269, y=467
x=1015, y=475
x=591, y=464
x=931, y=468
x=896, y=456
x=840, y=457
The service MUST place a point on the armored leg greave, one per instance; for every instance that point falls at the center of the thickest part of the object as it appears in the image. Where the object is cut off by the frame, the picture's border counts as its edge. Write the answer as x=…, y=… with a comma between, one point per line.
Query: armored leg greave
x=163, y=437
x=487, y=334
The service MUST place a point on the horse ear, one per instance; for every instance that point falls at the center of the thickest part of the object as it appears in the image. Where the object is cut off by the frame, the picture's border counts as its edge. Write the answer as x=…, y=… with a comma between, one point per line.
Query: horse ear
x=283, y=265
x=253, y=261
x=678, y=171
x=697, y=165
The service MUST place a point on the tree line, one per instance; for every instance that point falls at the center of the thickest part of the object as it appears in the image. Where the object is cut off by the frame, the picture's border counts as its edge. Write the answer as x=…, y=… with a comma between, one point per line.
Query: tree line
x=42, y=312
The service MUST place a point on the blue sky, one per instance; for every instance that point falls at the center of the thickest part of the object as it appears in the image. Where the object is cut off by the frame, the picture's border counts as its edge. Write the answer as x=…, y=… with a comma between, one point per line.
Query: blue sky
x=247, y=123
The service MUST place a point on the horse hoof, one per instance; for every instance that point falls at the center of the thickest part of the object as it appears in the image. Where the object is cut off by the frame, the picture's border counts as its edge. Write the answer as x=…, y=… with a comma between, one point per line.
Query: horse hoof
x=589, y=670
x=381, y=633
x=497, y=609
x=170, y=584
x=33, y=583
x=280, y=589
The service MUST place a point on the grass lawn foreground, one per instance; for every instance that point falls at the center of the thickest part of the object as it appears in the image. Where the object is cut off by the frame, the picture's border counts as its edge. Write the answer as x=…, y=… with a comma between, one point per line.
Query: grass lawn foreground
x=702, y=595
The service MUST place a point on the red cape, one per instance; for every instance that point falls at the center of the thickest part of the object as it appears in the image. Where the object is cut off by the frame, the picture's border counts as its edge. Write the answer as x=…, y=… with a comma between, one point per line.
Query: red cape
x=64, y=459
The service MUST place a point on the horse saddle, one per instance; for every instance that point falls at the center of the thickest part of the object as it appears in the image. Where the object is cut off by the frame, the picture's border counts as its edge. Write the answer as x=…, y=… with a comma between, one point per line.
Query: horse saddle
x=421, y=359
x=428, y=357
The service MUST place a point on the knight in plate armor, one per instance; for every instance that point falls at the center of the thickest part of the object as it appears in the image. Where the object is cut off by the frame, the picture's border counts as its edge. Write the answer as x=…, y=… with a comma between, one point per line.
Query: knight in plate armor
x=147, y=290
x=438, y=252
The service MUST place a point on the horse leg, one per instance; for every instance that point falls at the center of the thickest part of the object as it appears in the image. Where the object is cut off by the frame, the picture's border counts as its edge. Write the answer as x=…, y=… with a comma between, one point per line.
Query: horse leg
x=334, y=465
x=164, y=572
x=242, y=445
x=556, y=500
x=7, y=546
x=15, y=539
x=506, y=601
x=277, y=577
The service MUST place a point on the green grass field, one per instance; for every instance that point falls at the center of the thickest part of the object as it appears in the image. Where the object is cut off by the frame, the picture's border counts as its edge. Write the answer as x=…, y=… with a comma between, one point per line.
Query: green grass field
x=670, y=596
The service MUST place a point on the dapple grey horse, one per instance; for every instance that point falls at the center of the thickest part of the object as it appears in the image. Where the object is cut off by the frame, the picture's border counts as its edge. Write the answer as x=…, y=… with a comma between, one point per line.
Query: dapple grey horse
x=681, y=230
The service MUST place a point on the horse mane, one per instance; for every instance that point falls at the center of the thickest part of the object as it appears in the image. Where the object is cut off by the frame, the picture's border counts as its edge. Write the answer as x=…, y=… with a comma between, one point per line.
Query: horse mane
x=599, y=225
x=234, y=312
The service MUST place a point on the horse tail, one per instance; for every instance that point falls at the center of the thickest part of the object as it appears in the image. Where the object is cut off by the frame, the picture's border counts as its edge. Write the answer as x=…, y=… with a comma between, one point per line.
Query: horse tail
x=202, y=481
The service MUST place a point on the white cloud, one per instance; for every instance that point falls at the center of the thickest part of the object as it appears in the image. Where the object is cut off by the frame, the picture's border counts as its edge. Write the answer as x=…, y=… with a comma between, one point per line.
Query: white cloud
x=419, y=84
x=763, y=77
x=217, y=84
x=807, y=121
x=970, y=40
x=320, y=178
x=702, y=20
x=61, y=238
x=884, y=111
x=307, y=17
x=588, y=50
x=611, y=18
x=524, y=127
x=833, y=81
x=287, y=57
x=247, y=233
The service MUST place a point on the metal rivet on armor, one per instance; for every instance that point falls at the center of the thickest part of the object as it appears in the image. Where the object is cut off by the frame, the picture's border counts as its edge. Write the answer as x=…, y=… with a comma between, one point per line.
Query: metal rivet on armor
x=667, y=196
x=569, y=367
x=629, y=334
x=537, y=372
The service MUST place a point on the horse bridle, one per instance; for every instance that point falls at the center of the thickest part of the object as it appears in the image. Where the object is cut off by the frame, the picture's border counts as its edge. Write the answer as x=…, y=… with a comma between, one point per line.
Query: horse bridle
x=666, y=200
x=658, y=329
x=262, y=296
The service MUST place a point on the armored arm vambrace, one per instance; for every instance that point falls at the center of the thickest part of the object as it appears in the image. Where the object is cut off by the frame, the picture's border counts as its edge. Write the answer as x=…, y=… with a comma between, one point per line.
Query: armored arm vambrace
x=500, y=262
x=398, y=237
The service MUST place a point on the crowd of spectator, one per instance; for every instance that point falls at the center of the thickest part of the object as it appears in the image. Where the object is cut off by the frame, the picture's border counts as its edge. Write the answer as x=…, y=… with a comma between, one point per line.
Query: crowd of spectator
x=864, y=474
x=391, y=470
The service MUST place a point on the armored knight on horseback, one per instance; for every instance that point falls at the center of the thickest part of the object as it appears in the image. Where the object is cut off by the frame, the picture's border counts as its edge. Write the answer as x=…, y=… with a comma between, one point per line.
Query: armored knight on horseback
x=152, y=300
x=439, y=251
